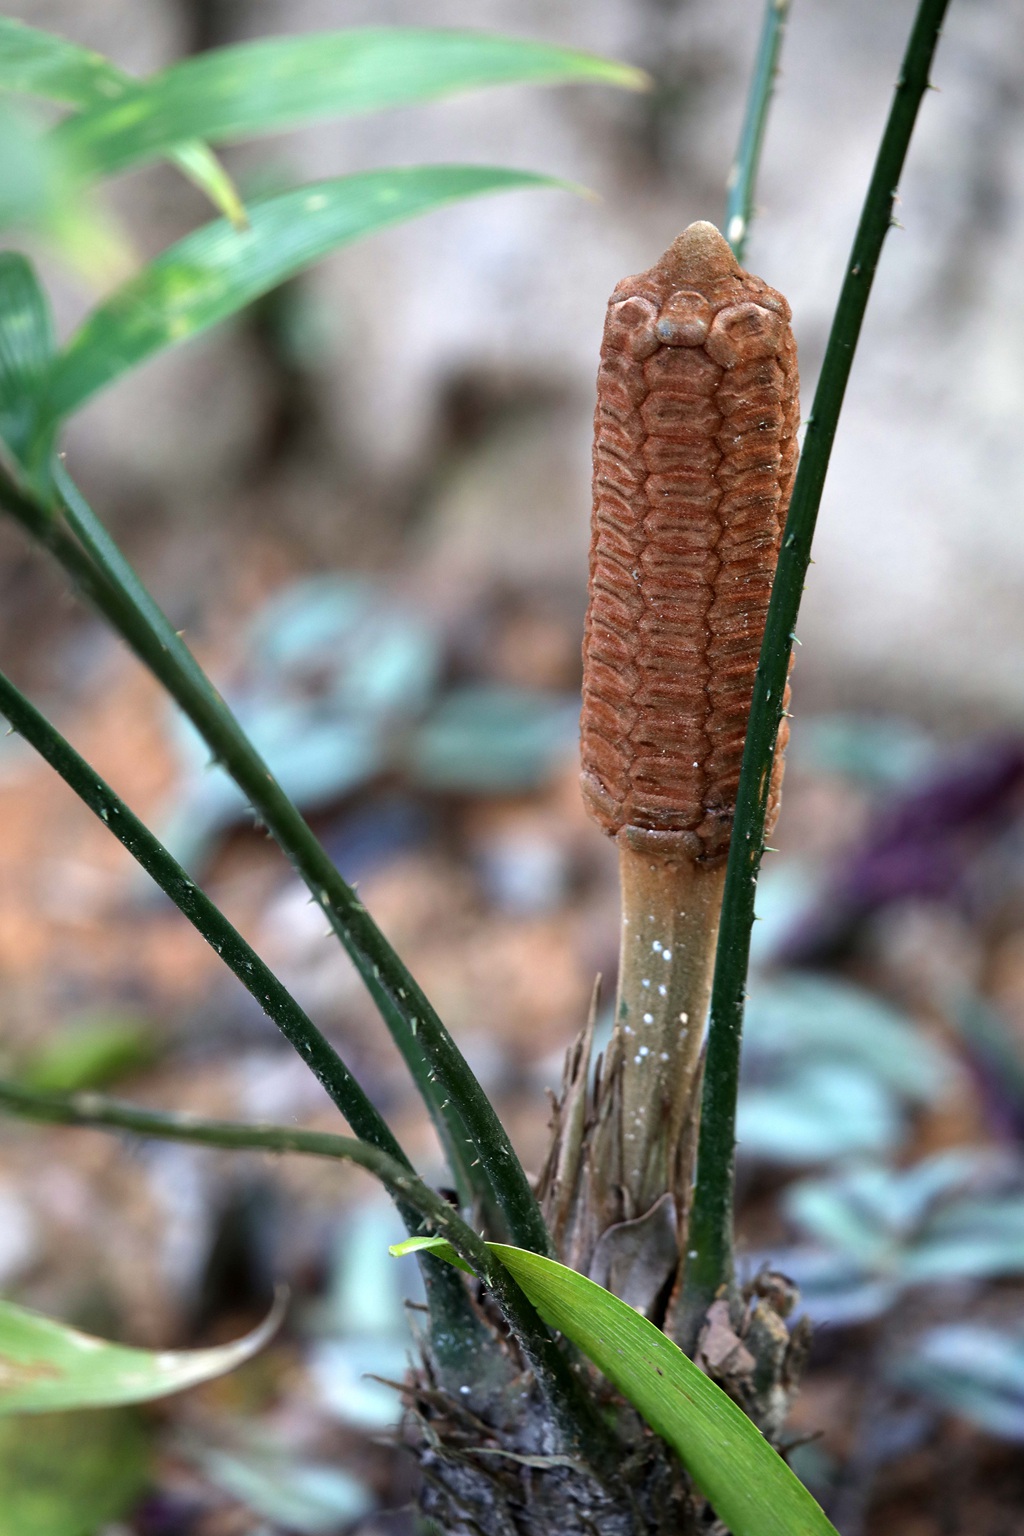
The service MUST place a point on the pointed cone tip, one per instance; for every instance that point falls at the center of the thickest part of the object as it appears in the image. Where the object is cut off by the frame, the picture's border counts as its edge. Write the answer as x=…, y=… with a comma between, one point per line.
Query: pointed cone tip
x=701, y=254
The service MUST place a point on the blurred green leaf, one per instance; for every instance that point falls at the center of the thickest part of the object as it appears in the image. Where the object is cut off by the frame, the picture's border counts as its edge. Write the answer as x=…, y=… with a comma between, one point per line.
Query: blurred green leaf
x=28, y=186
x=37, y=63
x=27, y=347
x=89, y=1053
x=217, y=270
x=68, y=1474
x=747, y=1483
x=846, y=1214
x=37, y=194
x=47, y=1366
x=274, y=83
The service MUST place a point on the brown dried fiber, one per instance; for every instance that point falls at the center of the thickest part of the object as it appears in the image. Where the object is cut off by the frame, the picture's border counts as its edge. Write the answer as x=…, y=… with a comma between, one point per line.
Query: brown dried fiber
x=694, y=457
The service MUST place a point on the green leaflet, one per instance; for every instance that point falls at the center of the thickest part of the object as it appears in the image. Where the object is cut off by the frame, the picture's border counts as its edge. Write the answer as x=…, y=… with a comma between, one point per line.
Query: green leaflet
x=26, y=354
x=747, y=1483
x=217, y=270
x=46, y=1366
x=36, y=63
x=275, y=83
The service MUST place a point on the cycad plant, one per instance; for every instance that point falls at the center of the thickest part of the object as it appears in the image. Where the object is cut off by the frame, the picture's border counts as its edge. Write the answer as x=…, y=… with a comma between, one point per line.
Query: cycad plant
x=544, y=1399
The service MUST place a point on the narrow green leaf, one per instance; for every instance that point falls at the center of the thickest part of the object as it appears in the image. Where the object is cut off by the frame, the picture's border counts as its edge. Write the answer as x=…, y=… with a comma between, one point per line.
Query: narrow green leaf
x=46, y=1366
x=201, y=167
x=274, y=83
x=37, y=63
x=747, y=1483
x=711, y=1220
x=217, y=270
x=27, y=347
x=740, y=188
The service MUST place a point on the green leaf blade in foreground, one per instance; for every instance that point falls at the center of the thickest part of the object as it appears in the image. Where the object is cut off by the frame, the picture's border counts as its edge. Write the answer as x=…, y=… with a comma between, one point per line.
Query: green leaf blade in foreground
x=217, y=270
x=275, y=83
x=747, y=1483
x=38, y=63
x=46, y=1366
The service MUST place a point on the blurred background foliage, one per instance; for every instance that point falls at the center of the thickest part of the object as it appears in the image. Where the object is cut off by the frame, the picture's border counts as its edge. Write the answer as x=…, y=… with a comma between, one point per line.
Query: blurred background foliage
x=365, y=502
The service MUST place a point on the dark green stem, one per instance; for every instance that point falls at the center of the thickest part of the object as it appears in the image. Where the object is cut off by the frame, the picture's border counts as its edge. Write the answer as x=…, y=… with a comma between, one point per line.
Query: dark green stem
x=572, y=1409
x=454, y=1324
x=739, y=202
x=711, y=1229
x=256, y=977
x=482, y=1160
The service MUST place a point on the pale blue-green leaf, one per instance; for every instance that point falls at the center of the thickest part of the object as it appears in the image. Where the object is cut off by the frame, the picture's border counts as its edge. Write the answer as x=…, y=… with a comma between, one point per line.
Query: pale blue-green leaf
x=217, y=270
x=339, y=640
x=844, y=1213
x=351, y=1377
x=27, y=347
x=784, y=894
x=37, y=63
x=833, y=1289
x=968, y=1258
x=306, y=1498
x=747, y=1483
x=971, y=1370
x=882, y=753
x=315, y=758
x=973, y=1237
x=799, y=1016
x=361, y=1327
x=46, y=1366
x=274, y=83
x=956, y=1180
x=816, y=1112
x=70, y=1474
x=929, y=1224
x=493, y=740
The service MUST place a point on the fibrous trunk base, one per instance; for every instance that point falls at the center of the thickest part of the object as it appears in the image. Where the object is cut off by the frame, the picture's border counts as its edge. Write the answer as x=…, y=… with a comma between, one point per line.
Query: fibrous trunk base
x=488, y=1469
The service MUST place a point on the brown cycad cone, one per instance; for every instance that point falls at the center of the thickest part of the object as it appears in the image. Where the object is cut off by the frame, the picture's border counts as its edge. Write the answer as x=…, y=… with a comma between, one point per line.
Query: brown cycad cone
x=694, y=458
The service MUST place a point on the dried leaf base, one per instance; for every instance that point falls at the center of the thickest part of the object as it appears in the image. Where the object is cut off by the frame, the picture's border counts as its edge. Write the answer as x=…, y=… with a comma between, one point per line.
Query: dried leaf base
x=617, y=1183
